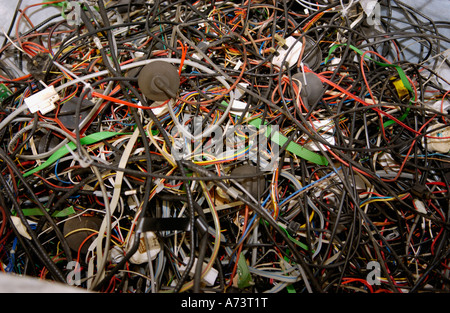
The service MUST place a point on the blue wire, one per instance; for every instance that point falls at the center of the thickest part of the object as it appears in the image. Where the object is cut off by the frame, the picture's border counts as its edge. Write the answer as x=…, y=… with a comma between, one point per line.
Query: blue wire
x=11, y=262
x=252, y=220
x=56, y=174
x=307, y=186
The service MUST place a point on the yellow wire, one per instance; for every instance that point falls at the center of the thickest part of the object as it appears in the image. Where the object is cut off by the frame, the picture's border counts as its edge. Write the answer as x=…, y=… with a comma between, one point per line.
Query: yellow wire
x=91, y=230
x=381, y=200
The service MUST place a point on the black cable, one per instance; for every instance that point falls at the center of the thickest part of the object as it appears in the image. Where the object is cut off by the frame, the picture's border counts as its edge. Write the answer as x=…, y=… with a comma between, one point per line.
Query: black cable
x=52, y=223
x=365, y=209
x=35, y=245
x=263, y=214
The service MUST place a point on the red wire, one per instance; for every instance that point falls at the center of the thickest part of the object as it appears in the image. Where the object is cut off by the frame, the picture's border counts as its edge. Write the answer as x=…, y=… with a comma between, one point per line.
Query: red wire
x=3, y=220
x=408, y=153
x=352, y=96
x=352, y=280
x=183, y=56
x=22, y=13
x=115, y=100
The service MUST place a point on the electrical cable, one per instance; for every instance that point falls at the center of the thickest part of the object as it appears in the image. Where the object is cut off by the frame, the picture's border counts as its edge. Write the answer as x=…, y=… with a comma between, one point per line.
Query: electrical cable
x=226, y=147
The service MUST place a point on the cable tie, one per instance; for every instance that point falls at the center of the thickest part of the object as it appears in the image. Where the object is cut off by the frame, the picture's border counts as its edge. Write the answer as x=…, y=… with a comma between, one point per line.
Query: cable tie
x=83, y=161
x=302, y=66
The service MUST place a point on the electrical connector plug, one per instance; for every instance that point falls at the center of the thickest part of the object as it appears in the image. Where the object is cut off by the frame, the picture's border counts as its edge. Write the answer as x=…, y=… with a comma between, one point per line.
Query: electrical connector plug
x=288, y=51
x=141, y=255
x=293, y=228
x=420, y=191
x=281, y=41
x=237, y=107
x=43, y=101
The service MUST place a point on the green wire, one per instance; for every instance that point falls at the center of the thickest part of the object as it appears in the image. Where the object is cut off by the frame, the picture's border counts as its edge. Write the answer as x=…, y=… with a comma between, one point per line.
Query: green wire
x=37, y=212
x=298, y=243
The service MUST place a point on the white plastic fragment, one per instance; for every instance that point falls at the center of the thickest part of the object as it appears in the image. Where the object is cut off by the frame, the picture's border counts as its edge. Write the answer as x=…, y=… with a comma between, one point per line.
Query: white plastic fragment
x=240, y=90
x=238, y=107
x=439, y=140
x=420, y=206
x=441, y=106
x=116, y=255
x=20, y=227
x=369, y=6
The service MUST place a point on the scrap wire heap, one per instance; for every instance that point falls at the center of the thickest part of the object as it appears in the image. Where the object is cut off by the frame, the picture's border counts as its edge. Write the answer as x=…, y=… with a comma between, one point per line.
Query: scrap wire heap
x=133, y=159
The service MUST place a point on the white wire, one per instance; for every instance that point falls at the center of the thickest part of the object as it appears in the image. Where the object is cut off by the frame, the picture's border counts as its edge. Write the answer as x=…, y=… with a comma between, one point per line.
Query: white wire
x=311, y=6
x=12, y=42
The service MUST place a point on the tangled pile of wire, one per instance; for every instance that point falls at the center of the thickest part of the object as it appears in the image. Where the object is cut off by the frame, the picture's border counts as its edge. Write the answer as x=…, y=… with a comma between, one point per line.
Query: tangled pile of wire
x=107, y=189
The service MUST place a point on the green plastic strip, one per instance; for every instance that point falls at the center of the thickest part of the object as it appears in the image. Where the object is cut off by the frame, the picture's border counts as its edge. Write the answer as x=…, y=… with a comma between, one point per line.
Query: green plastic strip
x=63, y=5
x=400, y=71
x=88, y=140
x=37, y=212
x=292, y=147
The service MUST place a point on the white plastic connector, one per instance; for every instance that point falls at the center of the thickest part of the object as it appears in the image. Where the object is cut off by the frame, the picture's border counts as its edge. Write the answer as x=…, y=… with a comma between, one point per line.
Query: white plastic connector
x=140, y=256
x=116, y=255
x=159, y=109
x=289, y=52
x=210, y=276
x=43, y=101
x=420, y=206
x=98, y=43
x=159, y=185
x=238, y=107
x=240, y=90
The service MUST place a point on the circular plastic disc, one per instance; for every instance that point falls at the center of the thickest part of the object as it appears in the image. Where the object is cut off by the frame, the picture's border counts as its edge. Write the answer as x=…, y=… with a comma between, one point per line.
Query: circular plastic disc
x=312, y=88
x=75, y=239
x=166, y=73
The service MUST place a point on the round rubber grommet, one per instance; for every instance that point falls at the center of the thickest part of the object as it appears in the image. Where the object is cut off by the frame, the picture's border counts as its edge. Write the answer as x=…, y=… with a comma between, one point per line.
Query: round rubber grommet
x=155, y=74
x=312, y=87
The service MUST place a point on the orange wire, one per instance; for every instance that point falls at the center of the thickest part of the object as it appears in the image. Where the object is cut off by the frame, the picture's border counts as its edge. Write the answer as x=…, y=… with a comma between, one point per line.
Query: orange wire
x=22, y=13
x=183, y=56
